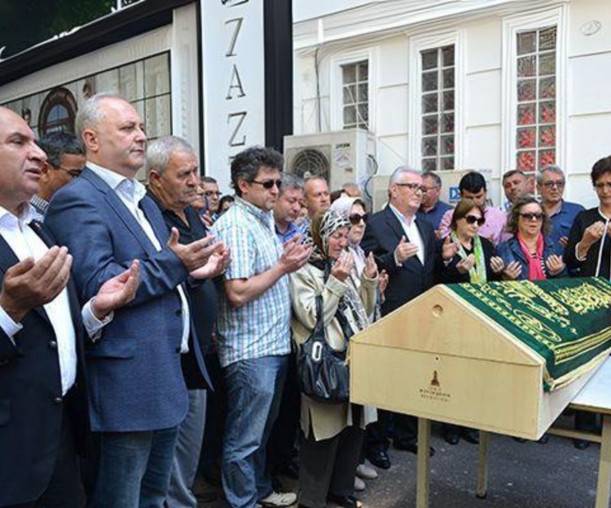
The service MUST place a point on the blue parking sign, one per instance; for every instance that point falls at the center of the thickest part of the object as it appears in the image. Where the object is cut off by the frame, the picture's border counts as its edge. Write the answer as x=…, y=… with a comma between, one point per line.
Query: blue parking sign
x=454, y=194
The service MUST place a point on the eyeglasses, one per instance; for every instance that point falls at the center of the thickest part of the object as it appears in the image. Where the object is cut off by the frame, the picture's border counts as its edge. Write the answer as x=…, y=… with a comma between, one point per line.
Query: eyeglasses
x=472, y=219
x=532, y=216
x=212, y=193
x=73, y=173
x=603, y=185
x=413, y=186
x=356, y=218
x=554, y=183
x=268, y=184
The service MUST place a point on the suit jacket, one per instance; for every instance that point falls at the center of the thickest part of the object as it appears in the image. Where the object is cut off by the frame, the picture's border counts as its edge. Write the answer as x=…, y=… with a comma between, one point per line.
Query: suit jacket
x=31, y=402
x=407, y=281
x=202, y=297
x=134, y=371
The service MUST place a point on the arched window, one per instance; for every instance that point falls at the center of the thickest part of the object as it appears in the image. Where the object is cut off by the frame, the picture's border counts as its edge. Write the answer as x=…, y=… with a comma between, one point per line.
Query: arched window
x=57, y=112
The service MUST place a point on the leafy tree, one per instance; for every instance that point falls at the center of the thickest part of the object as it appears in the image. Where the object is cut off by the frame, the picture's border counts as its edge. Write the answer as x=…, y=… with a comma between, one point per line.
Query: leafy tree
x=24, y=23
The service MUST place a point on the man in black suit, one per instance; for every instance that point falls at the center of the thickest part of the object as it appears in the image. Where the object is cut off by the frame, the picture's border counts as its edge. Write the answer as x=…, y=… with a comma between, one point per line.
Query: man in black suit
x=42, y=400
x=405, y=247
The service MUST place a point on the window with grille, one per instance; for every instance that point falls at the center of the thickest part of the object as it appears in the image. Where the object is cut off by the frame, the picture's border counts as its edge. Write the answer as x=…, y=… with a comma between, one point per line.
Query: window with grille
x=536, y=99
x=355, y=95
x=438, y=93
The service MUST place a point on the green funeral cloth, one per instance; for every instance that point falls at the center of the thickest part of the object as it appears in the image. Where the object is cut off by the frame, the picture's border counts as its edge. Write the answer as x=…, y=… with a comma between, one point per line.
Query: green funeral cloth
x=566, y=321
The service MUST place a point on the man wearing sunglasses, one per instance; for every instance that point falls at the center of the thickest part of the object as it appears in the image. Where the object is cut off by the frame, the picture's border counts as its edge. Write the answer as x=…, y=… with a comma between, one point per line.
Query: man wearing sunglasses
x=254, y=325
x=65, y=161
x=404, y=246
x=550, y=186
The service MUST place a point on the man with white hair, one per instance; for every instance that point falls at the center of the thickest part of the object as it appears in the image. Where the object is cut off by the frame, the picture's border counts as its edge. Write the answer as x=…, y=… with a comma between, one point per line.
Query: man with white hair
x=404, y=246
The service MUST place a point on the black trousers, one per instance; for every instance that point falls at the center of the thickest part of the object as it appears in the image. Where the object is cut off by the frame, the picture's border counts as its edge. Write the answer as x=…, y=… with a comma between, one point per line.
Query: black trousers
x=65, y=489
x=405, y=429
x=281, y=445
x=329, y=466
x=216, y=410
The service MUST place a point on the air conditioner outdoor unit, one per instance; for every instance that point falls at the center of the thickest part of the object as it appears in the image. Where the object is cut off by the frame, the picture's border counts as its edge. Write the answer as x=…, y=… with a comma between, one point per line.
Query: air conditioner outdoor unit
x=341, y=157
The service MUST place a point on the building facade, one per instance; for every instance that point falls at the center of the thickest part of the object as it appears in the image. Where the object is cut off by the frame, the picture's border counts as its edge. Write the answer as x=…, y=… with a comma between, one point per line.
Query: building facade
x=490, y=85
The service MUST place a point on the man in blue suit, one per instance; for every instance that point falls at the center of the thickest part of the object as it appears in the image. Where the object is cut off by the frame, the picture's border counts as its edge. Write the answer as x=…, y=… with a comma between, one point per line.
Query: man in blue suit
x=42, y=401
x=137, y=391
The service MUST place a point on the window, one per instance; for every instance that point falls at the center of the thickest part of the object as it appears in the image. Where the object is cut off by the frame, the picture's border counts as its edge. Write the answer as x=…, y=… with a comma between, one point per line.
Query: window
x=355, y=95
x=437, y=108
x=57, y=112
x=536, y=98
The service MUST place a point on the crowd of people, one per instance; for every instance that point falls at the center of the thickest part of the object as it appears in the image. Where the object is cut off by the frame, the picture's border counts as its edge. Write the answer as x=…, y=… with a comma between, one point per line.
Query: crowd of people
x=148, y=333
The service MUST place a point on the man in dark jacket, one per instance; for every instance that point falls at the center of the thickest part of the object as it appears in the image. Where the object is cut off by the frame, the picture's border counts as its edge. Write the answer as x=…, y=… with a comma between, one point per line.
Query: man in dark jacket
x=404, y=246
x=173, y=174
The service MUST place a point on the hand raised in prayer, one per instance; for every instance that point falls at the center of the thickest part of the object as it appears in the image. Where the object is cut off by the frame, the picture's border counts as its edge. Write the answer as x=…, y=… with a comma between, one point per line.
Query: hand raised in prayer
x=30, y=283
x=295, y=255
x=195, y=254
x=343, y=266
x=117, y=292
x=466, y=264
x=371, y=268
x=512, y=271
x=449, y=249
x=405, y=250
x=497, y=264
x=554, y=264
x=216, y=265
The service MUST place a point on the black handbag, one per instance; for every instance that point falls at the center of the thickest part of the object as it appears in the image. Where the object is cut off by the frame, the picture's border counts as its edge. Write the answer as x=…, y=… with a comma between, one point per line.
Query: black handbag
x=322, y=372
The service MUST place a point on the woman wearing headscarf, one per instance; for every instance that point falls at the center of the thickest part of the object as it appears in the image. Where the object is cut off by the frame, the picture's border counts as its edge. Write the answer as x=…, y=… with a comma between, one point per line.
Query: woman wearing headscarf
x=332, y=432
x=353, y=209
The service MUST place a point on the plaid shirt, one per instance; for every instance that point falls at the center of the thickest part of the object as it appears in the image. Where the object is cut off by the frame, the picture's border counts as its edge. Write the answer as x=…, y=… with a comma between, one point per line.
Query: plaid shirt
x=261, y=327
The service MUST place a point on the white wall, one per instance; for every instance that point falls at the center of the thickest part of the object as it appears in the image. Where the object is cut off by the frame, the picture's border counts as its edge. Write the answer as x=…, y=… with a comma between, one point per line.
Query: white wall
x=588, y=94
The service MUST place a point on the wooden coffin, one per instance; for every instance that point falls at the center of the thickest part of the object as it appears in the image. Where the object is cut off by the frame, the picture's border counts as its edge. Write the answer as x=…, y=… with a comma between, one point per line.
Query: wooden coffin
x=441, y=357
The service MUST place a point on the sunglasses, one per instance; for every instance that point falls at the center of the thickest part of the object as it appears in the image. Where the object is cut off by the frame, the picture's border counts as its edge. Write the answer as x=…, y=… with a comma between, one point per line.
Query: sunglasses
x=472, y=219
x=532, y=216
x=268, y=184
x=356, y=218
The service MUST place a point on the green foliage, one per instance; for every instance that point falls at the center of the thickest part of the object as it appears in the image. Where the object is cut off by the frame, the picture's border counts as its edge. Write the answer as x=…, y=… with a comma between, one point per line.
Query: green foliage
x=24, y=23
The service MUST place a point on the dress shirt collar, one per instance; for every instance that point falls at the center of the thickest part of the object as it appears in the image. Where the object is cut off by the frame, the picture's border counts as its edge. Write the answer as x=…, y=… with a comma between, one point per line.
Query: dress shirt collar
x=266, y=218
x=8, y=219
x=131, y=188
x=403, y=218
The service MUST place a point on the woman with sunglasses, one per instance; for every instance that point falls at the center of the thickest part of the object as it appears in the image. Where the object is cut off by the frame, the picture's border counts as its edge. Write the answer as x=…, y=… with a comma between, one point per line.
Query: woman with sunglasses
x=332, y=432
x=353, y=209
x=464, y=256
x=530, y=254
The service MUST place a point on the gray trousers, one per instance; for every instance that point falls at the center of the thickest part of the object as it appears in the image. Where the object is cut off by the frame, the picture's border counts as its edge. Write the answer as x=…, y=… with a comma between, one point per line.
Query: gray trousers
x=186, y=454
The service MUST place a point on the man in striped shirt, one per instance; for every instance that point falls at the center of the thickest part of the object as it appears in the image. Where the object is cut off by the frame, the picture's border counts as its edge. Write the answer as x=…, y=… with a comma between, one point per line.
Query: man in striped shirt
x=254, y=325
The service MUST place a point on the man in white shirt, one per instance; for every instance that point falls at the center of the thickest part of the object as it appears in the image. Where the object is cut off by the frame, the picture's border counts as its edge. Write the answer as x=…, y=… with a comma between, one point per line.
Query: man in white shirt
x=137, y=390
x=403, y=245
x=42, y=403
